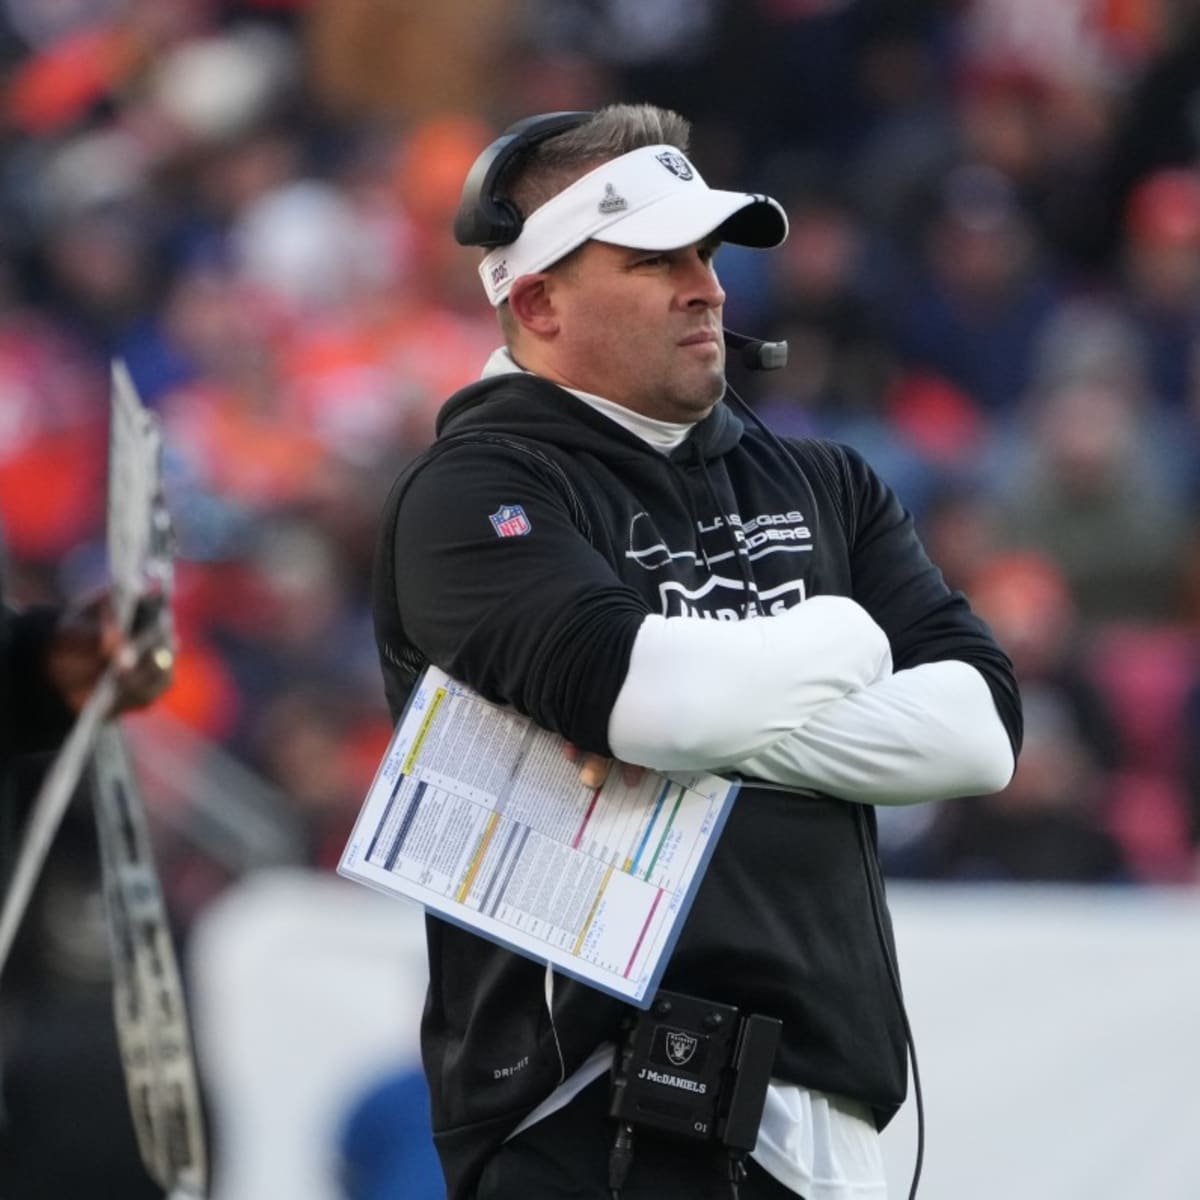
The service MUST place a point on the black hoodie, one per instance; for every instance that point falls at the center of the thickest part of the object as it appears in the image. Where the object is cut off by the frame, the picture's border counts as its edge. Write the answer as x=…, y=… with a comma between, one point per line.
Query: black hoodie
x=541, y=613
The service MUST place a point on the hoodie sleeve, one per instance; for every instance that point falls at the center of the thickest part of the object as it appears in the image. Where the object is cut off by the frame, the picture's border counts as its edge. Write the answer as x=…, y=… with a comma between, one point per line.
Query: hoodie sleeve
x=527, y=612
x=894, y=580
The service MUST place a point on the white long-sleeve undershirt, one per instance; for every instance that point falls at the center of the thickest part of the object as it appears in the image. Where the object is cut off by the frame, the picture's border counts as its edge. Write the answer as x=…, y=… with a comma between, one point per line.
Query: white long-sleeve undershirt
x=808, y=700
x=701, y=694
x=929, y=733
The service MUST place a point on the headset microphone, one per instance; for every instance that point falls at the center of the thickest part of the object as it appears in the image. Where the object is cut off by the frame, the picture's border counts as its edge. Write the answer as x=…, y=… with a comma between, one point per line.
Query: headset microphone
x=758, y=355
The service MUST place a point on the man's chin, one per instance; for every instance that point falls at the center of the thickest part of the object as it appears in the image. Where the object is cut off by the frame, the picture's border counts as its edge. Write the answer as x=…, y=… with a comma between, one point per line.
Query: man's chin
x=715, y=386
x=699, y=402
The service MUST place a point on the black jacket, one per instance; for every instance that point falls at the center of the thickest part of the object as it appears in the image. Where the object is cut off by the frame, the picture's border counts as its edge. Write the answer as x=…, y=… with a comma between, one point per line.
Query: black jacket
x=33, y=717
x=789, y=920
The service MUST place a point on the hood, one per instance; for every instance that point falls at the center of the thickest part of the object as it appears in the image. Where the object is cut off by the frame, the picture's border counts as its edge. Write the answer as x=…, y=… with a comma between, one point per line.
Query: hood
x=535, y=408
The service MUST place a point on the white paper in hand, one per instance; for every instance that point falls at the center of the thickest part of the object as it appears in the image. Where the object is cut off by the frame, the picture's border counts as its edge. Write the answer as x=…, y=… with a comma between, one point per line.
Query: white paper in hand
x=134, y=490
x=477, y=814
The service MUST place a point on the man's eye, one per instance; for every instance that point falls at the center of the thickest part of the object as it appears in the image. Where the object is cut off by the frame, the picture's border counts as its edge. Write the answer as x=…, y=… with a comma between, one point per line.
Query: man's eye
x=652, y=260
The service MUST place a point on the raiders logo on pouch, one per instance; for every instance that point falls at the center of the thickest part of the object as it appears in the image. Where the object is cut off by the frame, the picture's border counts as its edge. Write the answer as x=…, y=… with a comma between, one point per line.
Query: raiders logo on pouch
x=681, y=1046
x=676, y=164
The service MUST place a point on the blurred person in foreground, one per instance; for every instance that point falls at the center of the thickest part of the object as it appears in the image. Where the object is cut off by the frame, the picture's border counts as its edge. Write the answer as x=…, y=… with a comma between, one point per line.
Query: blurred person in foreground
x=51, y=659
x=63, y=1125
x=597, y=539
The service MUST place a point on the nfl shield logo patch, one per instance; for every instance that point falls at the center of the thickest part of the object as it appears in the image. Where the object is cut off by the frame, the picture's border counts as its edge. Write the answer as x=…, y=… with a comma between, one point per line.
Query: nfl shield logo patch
x=509, y=520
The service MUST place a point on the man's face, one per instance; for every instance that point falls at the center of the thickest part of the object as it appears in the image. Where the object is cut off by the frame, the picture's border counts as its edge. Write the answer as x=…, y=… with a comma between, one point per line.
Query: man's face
x=641, y=328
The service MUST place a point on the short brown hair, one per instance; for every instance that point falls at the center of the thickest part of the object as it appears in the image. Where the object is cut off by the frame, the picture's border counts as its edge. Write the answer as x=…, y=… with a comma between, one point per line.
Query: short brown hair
x=556, y=163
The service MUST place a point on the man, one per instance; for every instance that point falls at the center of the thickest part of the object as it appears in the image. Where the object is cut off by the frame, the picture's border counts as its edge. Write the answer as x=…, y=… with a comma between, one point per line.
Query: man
x=587, y=509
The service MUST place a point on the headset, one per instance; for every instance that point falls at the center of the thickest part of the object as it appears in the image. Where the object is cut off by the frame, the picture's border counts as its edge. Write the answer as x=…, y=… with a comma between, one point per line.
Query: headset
x=487, y=218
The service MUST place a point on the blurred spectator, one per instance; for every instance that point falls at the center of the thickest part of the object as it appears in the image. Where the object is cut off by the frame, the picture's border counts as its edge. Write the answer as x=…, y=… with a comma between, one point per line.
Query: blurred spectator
x=914, y=136
x=1095, y=337
x=1025, y=600
x=307, y=741
x=52, y=426
x=1051, y=822
x=1162, y=271
x=1041, y=90
x=1157, y=125
x=1044, y=827
x=217, y=87
x=1147, y=673
x=372, y=60
x=960, y=528
x=1092, y=497
x=1191, y=770
x=653, y=49
x=839, y=363
x=980, y=293
x=286, y=620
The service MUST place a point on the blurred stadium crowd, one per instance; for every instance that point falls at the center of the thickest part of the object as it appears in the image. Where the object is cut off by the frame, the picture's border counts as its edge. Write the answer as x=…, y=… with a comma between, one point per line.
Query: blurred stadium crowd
x=992, y=288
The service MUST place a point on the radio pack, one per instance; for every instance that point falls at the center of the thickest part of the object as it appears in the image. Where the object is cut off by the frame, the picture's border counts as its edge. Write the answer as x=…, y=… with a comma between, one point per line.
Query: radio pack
x=695, y=1068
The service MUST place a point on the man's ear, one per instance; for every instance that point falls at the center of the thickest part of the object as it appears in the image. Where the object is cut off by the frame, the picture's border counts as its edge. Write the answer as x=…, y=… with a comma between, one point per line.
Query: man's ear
x=531, y=302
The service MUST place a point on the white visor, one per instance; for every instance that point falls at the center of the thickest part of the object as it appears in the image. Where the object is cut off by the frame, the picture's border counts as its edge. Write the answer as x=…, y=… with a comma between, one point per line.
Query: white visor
x=648, y=199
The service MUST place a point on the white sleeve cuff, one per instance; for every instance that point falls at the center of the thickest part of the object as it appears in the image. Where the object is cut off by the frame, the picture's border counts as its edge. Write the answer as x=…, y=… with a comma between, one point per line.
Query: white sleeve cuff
x=700, y=693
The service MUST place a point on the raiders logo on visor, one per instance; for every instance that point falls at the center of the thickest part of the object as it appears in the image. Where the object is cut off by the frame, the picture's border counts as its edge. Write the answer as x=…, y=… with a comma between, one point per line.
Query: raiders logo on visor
x=676, y=164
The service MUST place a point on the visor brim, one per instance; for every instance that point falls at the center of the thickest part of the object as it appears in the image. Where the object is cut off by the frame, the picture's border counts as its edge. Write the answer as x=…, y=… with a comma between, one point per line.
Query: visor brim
x=682, y=220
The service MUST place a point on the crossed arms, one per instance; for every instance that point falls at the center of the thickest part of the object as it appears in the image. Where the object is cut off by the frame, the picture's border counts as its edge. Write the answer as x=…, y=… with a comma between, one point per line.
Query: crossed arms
x=897, y=695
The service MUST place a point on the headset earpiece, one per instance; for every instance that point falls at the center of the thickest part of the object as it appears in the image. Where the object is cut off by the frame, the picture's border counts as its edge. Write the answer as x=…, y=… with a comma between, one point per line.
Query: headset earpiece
x=484, y=217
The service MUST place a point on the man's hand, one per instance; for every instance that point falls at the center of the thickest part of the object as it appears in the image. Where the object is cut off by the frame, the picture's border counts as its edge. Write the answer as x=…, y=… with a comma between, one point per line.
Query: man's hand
x=88, y=638
x=594, y=768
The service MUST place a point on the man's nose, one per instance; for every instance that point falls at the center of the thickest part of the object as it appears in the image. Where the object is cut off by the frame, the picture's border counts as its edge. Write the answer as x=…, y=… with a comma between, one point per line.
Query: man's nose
x=702, y=286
